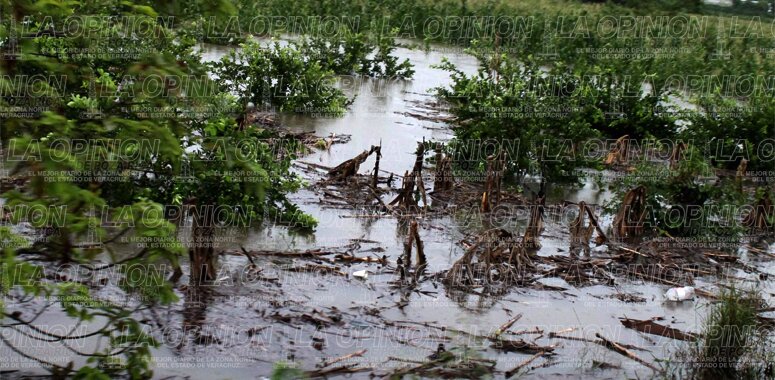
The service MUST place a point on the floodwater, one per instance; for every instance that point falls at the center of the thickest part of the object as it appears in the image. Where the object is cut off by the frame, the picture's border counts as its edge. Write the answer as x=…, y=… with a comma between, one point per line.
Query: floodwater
x=378, y=116
x=242, y=326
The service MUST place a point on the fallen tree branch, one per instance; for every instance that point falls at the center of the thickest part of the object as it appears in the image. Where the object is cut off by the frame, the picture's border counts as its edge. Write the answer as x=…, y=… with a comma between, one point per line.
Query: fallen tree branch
x=616, y=347
x=514, y=370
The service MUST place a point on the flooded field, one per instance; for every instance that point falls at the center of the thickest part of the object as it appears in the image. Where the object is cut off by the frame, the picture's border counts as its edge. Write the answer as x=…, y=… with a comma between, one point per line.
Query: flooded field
x=403, y=189
x=301, y=304
x=311, y=318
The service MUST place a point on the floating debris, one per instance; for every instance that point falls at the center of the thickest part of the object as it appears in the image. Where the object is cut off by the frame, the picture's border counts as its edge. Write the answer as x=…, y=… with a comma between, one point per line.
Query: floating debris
x=621, y=349
x=447, y=364
x=362, y=274
x=648, y=326
x=350, y=167
x=680, y=294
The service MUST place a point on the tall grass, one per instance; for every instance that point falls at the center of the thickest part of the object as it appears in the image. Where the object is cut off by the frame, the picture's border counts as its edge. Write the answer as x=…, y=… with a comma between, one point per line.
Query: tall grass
x=733, y=344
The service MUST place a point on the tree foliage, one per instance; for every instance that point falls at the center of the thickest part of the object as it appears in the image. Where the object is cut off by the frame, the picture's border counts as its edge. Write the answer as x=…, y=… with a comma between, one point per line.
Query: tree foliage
x=125, y=125
x=280, y=76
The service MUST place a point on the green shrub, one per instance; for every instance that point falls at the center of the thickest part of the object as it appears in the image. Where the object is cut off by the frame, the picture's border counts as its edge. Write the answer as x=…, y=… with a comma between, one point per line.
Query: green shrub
x=281, y=77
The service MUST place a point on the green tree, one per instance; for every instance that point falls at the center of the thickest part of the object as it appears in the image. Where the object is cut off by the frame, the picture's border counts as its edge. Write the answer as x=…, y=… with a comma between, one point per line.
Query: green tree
x=131, y=127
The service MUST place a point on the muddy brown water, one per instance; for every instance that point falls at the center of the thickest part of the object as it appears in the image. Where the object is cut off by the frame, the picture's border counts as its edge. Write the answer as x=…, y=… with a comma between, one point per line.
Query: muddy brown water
x=242, y=327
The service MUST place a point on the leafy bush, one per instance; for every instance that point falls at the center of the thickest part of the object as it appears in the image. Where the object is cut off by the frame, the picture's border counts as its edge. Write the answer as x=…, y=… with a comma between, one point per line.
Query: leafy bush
x=550, y=111
x=350, y=52
x=729, y=129
x=672, y=194
x=282, y=77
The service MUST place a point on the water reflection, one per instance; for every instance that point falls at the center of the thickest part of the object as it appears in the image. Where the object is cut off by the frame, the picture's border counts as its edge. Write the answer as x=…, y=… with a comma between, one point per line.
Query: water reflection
x=197, y=300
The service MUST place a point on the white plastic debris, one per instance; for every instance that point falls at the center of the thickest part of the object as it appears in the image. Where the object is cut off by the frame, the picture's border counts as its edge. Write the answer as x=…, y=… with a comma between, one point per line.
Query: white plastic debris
x=361, y=274
x=680, y=294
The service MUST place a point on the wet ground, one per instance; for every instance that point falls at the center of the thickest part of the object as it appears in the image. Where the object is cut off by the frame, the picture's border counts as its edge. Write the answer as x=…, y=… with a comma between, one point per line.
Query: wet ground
x=247, y=323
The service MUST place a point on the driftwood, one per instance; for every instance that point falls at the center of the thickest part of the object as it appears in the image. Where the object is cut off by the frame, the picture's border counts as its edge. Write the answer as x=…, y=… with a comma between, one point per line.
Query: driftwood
x=345, y=188
x=616, y=347
x=515, y=345
x=554, y=334
x=507, y=325
x=340, y=370
x=310, y=253
x=446, y=365
x=350, y=167
x=576, y=271
x=516, y=369
x=368, y=259
x=309, y=140
x=520, y=345
x=648, y=326
x=629, y=221
x=355, y=354
x=317, y=269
